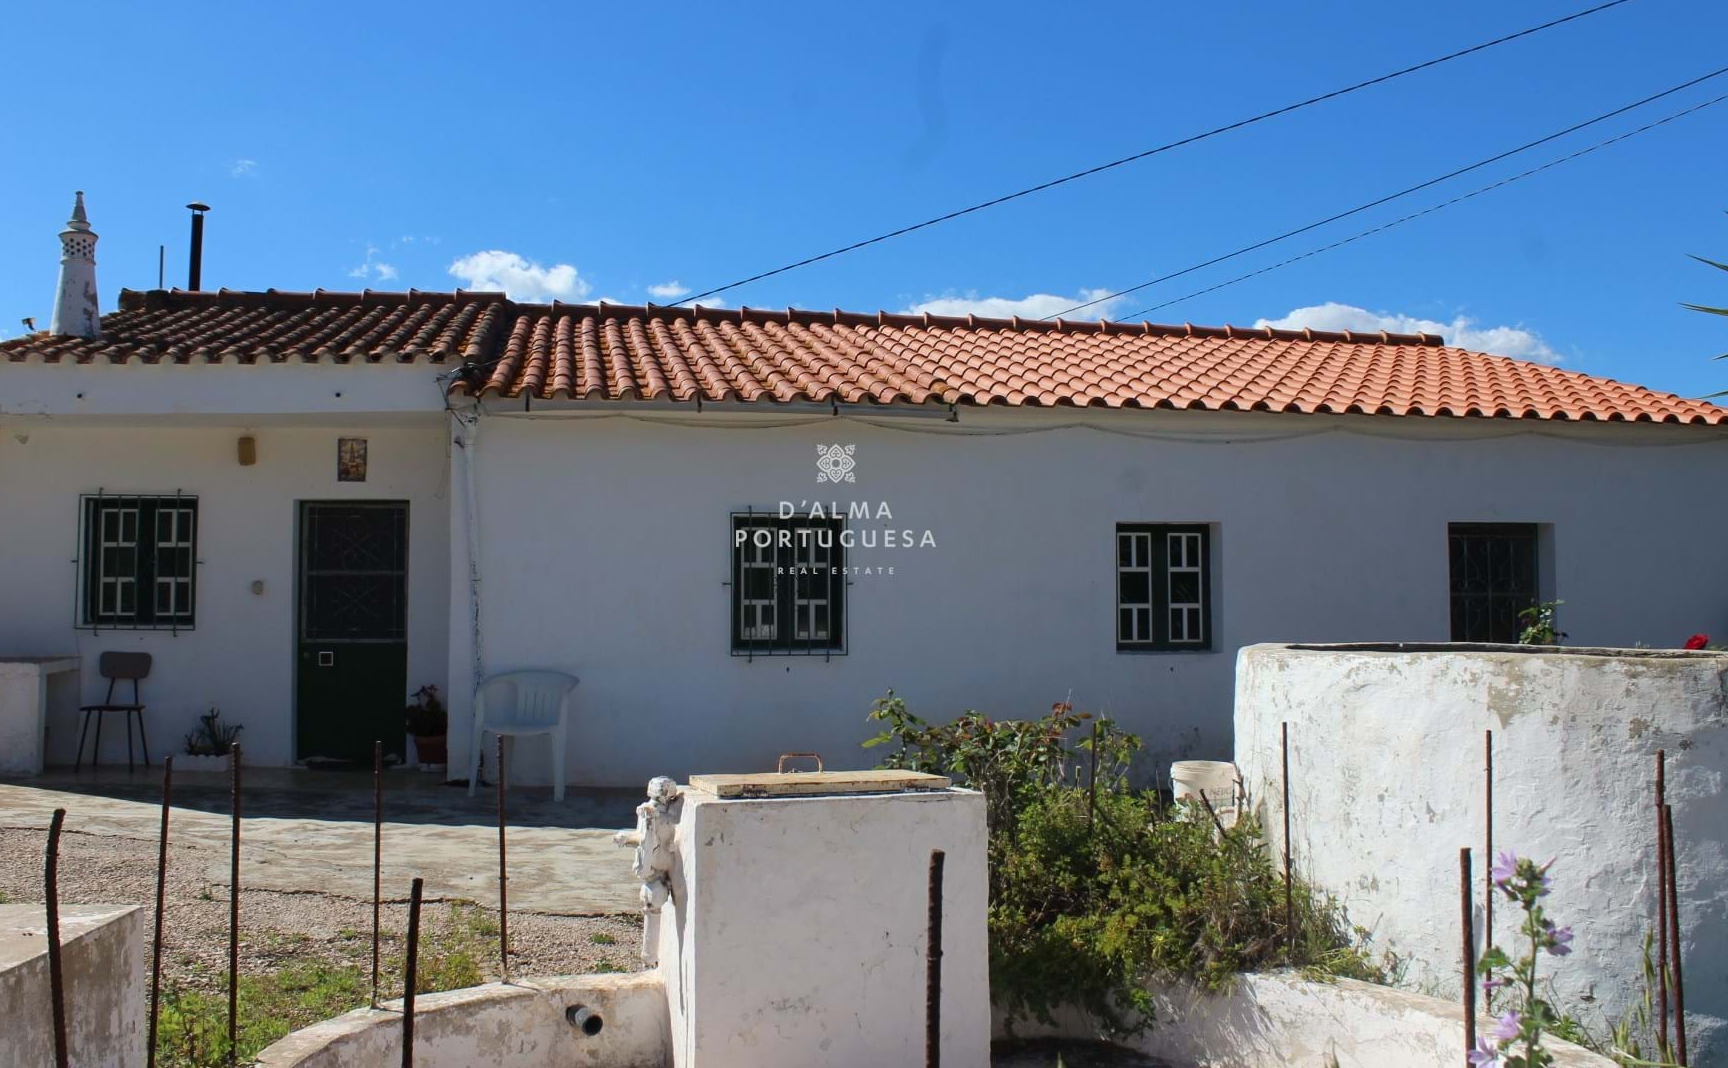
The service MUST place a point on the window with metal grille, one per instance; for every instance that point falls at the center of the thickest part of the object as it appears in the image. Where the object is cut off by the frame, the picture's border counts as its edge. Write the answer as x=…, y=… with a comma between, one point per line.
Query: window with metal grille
x=1493, y=569
x=788, y=585
x=1163, y=587
x=138, y=568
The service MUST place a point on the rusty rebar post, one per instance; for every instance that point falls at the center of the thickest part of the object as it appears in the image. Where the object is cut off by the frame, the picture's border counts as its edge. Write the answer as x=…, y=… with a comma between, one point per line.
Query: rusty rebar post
x=933, y=967
x=1488, y=845
x=411, y=973
x=1672, y=853
x=1662, y=1040
x=1466, y=893
x=377, y=856
x=1210, y=811
x=503, y=876
x=1289, y=895
x=56, y=973
x=161, y=898
x=1092, y=780
x=234, y=909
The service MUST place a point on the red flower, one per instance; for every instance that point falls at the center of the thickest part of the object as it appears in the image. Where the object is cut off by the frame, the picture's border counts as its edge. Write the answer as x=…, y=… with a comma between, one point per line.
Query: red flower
x=1698, y=641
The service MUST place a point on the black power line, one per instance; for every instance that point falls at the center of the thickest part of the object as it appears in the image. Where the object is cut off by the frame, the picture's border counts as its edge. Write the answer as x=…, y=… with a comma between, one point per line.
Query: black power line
x=1088, y=172
x=1525, y=147
x=1532, y=172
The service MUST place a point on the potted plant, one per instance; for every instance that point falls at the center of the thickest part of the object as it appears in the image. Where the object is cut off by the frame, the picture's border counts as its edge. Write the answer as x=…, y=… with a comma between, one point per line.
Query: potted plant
x=207, y=745
x=428, y=722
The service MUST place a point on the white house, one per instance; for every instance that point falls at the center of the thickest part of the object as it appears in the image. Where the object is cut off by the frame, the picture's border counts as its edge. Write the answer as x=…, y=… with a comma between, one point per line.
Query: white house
x=738, y=527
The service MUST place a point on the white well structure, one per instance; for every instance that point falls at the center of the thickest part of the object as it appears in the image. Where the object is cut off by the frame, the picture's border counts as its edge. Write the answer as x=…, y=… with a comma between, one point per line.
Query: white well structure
x=789, y=922
x=1387, y=780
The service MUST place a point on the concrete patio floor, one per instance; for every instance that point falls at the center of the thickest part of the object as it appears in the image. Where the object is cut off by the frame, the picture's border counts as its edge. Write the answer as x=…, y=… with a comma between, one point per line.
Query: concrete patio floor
x=311, y=831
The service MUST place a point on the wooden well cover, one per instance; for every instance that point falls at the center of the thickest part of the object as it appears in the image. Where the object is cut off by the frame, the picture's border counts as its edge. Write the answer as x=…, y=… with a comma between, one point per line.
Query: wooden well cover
x=797, y=783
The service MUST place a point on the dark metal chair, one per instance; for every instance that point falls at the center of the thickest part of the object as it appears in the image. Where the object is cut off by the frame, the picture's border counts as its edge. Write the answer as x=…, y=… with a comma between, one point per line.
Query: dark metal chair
x=116, y=667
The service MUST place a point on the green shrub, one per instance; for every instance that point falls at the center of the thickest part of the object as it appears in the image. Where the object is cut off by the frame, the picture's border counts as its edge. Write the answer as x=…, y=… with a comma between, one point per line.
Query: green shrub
x=1097, y=888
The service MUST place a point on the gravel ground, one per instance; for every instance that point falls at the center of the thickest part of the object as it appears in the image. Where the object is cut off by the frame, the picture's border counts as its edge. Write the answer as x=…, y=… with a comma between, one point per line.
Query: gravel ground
x=278, y=929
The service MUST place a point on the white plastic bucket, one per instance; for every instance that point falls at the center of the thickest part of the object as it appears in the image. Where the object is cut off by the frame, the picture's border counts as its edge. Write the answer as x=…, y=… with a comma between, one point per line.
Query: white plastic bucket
x=1215, y=779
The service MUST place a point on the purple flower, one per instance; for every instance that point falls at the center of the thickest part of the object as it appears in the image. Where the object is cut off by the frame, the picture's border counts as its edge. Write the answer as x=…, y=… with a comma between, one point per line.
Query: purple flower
x=1562, y=940
x=1505, y=867
x=1491, y=984
x=1486, y=1054
x=1506, y=1028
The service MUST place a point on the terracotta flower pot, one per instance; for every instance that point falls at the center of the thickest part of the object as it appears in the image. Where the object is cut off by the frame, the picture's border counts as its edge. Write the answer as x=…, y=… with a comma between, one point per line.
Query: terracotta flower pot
x=431, y=748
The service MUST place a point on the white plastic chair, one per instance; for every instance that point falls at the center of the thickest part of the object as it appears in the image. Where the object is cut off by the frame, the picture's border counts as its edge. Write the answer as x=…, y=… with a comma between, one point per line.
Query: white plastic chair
x=523, y=702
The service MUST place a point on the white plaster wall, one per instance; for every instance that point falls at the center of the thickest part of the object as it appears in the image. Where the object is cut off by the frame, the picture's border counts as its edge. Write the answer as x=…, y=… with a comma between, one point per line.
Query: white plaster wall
x=605, y=550
x=1387, y=784
x=516, y=1025
x=1281, y=1020
x=103, y=955
x=798, y=936
x=241, y=656
x=358, y=392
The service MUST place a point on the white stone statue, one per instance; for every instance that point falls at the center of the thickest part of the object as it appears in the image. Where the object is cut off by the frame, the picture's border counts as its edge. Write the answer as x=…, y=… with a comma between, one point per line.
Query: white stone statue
x=653, y=836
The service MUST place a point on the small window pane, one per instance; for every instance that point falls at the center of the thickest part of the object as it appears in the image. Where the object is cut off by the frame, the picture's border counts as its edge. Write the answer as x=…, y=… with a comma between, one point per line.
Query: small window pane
x=1162, y=586
x=787, y=589
x=758, y=582
x=1493, y=578
x=137, y=561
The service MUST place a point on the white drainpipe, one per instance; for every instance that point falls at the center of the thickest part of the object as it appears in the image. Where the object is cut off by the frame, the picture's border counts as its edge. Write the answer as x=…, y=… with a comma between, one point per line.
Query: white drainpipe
x=469, y=442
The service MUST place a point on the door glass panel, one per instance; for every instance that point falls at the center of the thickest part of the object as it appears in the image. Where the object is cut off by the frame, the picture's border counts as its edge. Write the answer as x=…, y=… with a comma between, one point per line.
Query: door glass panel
x=354, y=581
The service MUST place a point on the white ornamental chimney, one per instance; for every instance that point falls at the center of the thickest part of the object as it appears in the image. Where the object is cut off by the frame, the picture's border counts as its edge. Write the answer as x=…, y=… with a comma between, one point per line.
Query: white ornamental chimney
x=75, y=311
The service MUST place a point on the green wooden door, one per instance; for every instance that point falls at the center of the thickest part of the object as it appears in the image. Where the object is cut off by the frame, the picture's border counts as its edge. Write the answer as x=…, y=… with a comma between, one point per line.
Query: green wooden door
x=352, y=671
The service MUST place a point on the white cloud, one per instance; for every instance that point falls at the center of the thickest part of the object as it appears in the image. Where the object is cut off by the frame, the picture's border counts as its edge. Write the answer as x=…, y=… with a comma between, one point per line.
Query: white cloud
x=1462, y=331
x=497, y=271
x=374, y=268
x=243, y=168
x=668, y=290
x=1034, y=306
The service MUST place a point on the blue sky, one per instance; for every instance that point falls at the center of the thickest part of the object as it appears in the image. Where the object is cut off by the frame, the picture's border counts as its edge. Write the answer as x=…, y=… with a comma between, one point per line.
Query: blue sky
x=601, y=152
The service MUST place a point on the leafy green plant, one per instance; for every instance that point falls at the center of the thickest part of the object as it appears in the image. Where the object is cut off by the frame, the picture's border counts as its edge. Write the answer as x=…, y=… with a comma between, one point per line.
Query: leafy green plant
x=212, y=737
x=1009, y=761
x=1539, y=626
x=1097, y=888
x=426, y=717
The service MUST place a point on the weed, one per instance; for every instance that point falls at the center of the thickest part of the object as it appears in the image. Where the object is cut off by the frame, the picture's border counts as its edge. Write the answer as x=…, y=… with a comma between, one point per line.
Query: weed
x=193, y=1032
x=1096, y=889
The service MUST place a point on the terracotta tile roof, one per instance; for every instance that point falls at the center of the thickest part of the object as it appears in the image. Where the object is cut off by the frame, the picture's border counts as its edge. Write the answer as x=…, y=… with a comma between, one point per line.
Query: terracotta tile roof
x=613, y=352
